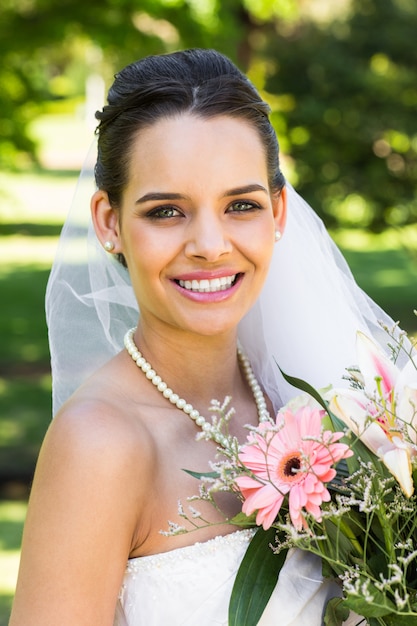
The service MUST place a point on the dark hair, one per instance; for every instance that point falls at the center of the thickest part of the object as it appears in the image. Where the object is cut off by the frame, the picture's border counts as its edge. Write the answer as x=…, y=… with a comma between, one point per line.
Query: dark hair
x=203, y=82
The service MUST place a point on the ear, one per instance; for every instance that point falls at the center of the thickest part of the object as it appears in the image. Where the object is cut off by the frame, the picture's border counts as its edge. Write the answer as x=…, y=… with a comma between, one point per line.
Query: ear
x=279, y=207
x=106, y=220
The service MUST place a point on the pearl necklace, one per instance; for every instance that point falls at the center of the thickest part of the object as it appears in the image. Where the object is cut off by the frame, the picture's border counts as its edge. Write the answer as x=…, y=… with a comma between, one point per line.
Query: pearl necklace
x=182, y=404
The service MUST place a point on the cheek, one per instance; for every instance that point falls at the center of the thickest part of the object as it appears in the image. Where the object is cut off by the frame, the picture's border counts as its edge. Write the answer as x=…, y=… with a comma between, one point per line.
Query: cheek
x=137, y=245
x=147, y=253
x=260, y=243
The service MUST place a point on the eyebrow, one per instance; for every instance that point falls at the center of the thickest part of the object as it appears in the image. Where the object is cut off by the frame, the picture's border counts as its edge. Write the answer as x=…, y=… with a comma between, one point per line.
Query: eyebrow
x=237, y=191
x=155, y=195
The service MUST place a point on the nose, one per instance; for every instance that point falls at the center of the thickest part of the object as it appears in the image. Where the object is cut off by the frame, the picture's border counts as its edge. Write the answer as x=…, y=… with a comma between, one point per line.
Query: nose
x=207, y=238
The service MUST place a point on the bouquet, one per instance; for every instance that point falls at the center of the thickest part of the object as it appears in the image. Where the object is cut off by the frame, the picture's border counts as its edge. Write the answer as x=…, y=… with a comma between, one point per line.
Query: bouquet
x=334, y=475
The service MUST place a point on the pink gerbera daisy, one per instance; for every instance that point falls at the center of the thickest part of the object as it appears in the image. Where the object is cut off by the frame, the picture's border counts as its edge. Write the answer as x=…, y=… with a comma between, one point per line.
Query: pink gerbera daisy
x=296, y=459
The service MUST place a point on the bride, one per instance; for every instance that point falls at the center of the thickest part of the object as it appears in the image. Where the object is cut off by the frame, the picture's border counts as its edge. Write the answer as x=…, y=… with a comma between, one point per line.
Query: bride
x=195, y=227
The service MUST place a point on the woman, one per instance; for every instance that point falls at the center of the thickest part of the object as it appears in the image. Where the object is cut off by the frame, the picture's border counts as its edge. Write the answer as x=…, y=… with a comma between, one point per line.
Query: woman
x=190, y=199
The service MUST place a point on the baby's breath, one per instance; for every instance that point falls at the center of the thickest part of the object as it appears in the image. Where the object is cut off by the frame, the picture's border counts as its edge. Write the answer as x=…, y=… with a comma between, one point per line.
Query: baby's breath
x=173, y=530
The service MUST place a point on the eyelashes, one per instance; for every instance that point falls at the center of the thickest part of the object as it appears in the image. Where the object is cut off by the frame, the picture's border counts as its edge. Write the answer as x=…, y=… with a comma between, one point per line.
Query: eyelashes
x=167, y=212
x=163, y=213
x=243, y=206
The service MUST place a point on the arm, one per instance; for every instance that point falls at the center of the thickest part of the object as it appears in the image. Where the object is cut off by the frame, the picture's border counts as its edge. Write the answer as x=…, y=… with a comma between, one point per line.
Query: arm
x=81, y=523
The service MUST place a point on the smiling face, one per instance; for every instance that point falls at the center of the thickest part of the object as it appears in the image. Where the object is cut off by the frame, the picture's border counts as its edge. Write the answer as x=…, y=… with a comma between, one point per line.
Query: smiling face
x=197, y=222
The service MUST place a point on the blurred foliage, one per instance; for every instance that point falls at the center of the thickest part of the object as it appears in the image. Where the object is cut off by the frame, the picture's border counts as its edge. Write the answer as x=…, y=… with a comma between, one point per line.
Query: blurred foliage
x=12, y=515
x=25, y=382
x=340, y=77
x=48, y=53
x=349, y=112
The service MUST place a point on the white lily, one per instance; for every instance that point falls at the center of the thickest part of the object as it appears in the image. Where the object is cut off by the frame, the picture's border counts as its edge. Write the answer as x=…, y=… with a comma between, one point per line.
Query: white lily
x=384, y=414
x=406, y=389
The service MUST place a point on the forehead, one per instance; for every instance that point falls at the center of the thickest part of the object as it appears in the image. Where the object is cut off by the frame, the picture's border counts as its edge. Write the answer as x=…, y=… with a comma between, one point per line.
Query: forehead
x=190, y=148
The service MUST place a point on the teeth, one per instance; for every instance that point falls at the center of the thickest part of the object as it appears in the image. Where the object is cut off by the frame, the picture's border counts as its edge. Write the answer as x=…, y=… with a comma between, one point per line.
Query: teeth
x=208, y=286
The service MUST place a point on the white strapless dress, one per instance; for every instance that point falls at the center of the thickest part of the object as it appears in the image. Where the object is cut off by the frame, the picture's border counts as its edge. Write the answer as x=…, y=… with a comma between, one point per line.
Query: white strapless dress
x=191, y=586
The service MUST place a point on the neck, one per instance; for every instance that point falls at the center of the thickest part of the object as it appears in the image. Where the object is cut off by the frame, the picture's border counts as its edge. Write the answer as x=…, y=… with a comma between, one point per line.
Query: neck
x=210, y=430
x=200, y=368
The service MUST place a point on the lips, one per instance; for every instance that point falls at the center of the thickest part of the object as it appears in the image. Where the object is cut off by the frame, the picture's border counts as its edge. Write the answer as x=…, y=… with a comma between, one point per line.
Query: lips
x=205, y=285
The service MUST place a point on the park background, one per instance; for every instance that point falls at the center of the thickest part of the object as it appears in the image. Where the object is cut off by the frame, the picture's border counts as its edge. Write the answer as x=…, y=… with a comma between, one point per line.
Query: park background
x=340, y=76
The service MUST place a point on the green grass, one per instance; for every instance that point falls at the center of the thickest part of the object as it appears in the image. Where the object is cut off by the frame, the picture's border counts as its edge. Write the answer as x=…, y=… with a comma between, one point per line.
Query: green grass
x=31, y=217
x=12, y=515
x=385, y=266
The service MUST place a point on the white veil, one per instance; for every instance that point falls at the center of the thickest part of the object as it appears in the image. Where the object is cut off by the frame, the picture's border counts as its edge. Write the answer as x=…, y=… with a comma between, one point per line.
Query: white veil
x=305, y=319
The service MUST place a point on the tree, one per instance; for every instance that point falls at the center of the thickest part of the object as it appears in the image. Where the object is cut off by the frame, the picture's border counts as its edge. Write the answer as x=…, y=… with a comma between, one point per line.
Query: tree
x=347, y=106
x=40, y=42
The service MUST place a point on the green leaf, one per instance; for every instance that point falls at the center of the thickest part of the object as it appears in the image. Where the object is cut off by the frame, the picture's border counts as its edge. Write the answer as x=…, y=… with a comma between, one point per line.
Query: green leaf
x=336, y=612
x=304, y=386
x=343, y=543
x=256, y=579
x=337, y=423
x=400, y=620
x=326, y=569
x=200, y=475
x=380, y=605
x=243, y=520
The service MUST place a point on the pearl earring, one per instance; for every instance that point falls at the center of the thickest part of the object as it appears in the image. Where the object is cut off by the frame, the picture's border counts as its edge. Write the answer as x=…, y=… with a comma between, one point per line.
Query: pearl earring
x=278, y=235
x=109, y=246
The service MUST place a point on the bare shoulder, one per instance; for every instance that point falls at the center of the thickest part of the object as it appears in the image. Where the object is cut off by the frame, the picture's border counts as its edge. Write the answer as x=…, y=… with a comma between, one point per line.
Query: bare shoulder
x=101, y=427
x=88, y=502
x=98, y=458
